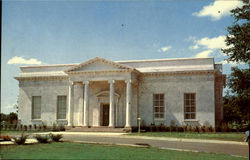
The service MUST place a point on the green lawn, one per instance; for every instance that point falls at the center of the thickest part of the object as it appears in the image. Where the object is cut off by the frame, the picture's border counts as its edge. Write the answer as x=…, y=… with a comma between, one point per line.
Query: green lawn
x=68, y=150
x=217, y=136
x=10, y=133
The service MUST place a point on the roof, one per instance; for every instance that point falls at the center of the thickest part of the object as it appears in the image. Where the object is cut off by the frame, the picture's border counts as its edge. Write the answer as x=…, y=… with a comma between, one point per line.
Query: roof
x=143, y=66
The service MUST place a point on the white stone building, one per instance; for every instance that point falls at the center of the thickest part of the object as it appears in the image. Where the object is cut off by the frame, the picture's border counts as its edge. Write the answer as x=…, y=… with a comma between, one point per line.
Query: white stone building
x=100, y=92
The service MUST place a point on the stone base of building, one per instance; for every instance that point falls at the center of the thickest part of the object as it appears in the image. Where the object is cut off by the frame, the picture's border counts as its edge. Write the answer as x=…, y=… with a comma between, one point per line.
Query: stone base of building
x=98, y=129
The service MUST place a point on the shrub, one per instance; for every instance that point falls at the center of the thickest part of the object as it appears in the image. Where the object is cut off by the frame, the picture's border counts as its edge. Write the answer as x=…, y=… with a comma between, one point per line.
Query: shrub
x=5, y=138
x=172, y=126
x=6, y=127
x=224, y=127
x=56, y=137
x=40, y=128
x=61, y=128
x=210, y=129
x=184, y=127
x=25, y=127
x=157, y=128
x=42, y=139
x=207, y=127
x=30, y=127
x=180, y=129
x=162, y=127
x=44, y=127
x=35, y=126
x=21, y=140
x=15, y=127
x=152, y=127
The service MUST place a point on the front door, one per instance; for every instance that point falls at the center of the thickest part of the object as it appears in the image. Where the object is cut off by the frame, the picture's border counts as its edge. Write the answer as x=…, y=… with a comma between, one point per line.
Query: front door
x=105, y=115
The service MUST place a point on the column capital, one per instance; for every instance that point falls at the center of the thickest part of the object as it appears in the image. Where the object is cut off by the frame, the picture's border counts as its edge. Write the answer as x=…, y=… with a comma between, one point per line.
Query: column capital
x=128, y=81
x=111, y=81
x=85, y=82
x=71, y=83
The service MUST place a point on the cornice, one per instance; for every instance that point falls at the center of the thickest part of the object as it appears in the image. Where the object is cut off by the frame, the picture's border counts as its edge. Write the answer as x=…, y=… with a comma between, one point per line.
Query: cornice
x=42, y=78
x=200, y=72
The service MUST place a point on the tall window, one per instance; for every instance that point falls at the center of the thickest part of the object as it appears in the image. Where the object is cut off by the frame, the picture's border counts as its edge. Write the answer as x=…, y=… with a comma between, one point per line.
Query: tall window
x=61, y=107
x=189, y=106
x=36, y=107
x=158, y=105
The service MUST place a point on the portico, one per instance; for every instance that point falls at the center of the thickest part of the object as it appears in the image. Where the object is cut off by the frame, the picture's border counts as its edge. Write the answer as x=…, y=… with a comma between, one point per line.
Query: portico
x=84, y=109
x=80, y=78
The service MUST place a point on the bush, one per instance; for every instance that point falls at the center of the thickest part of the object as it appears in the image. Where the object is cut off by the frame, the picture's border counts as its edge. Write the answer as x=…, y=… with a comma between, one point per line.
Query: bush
x=21, y=139
x=42, y=139
x=30, y=127
x=61, y=128
x=39, y=127
x=5, y=138
x=44, y=127
x=25, y=128
x=35, y=126
x=56, y=137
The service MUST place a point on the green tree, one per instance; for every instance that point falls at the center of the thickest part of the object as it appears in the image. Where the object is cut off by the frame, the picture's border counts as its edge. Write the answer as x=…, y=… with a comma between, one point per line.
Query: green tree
x=236, y=101
x=238, y=38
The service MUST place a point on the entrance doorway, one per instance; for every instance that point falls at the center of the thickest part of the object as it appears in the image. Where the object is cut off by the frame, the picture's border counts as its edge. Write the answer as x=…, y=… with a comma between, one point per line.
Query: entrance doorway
x=105, y=114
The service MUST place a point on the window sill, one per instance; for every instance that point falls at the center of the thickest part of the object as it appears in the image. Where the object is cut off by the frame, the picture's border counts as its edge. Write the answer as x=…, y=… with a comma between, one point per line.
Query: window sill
x=36, y=120
x=191, y=120
x=159, y=119
x=61, y=120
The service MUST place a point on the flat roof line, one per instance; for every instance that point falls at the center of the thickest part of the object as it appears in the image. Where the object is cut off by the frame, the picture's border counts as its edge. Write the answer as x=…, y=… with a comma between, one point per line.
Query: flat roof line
x=169, y=59
x=126, y=61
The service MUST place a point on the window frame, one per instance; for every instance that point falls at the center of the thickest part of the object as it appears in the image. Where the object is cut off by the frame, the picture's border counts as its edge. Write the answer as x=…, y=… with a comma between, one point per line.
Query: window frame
x=190, y=106
x=32, y=108
x=57, y=107
x=159, y=106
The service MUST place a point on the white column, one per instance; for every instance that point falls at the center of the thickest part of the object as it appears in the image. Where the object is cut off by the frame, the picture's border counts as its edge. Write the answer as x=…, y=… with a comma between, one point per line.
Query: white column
x=86, y=104
x=79, y=102
x=70, y=103
x=111, y=103
x=128, y=103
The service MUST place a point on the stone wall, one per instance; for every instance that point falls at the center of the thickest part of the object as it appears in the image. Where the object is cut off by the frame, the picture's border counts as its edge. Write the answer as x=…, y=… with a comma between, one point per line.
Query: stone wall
x=173, y=88
x=48, y=90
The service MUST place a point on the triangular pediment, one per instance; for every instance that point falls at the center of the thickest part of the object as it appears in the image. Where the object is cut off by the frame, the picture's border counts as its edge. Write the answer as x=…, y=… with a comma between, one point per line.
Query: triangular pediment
x=98, y=64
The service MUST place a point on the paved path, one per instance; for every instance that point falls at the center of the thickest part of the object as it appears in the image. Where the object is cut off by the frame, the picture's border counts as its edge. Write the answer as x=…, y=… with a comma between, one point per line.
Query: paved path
x=232, y=149
x=214, y=146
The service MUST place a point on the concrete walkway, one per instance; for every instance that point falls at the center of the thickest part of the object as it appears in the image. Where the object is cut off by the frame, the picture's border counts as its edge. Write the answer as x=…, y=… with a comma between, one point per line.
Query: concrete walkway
x=194, y=145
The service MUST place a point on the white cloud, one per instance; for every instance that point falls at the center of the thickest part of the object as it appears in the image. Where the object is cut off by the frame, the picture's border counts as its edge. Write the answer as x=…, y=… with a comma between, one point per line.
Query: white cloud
x=231, y=63
x=193, y=47
x=164, y=49
x=203, y=54
x=209, y=43
x=21, y=60
x=218, y=9
x=213, y=43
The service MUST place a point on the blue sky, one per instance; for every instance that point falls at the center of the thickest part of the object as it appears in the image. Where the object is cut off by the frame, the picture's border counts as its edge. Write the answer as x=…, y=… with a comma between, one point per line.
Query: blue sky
x=61, y=32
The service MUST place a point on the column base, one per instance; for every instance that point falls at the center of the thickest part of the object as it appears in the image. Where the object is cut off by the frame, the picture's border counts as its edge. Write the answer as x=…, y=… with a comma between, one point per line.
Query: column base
x=127, y=129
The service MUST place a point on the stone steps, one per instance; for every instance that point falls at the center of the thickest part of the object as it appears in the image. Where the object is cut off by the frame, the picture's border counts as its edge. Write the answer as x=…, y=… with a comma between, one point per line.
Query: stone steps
x=97, y=129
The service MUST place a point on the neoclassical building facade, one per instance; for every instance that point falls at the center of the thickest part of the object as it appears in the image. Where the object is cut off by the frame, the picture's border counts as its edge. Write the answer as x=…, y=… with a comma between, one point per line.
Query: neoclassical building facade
x=101, y=92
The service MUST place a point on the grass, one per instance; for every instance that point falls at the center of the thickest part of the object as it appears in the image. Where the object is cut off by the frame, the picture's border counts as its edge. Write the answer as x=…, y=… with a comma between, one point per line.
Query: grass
x=68, y=150
x=10, y=133
x=232, y=136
